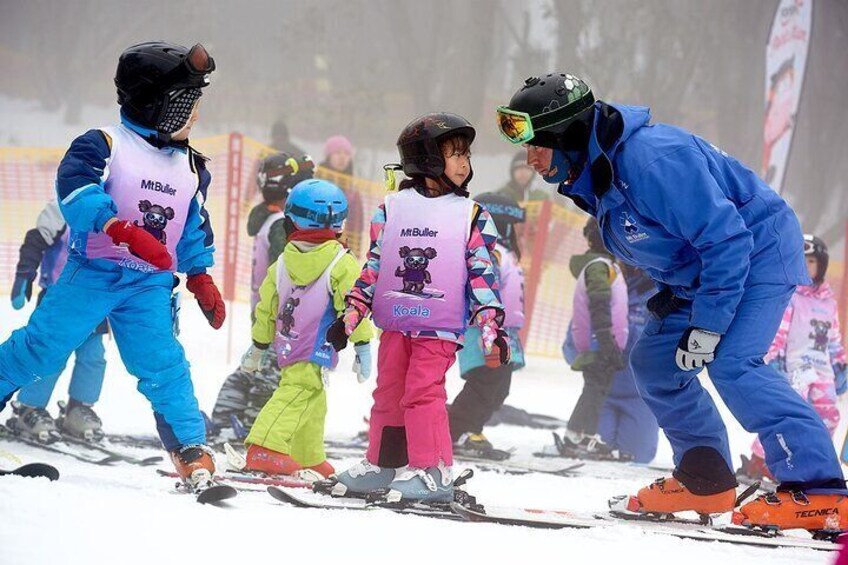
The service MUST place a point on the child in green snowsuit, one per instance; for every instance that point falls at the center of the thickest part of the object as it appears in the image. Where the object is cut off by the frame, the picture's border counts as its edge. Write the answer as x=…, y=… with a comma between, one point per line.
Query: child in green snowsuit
x=302, y=294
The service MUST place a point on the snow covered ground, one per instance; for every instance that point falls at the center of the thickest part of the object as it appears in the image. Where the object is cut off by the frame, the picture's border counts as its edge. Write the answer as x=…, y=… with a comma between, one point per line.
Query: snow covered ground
x=128, y=515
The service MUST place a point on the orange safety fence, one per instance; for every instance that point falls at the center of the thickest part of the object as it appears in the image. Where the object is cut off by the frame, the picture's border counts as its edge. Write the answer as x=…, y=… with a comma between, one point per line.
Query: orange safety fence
x=551, y=235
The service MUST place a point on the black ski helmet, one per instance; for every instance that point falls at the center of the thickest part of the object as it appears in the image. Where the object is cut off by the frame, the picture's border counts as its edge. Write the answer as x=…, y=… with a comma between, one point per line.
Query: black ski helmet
x=418, y=145
x=556, y=103
x=280, y=172
x=156, y=76
x=506, y=212
x=818, y=249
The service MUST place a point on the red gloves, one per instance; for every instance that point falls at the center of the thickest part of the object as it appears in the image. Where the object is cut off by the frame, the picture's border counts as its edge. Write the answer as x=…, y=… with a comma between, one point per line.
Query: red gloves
x=140, y=243
x=208, y=298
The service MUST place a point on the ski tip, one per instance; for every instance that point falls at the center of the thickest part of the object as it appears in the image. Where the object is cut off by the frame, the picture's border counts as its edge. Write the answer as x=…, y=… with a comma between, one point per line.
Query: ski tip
x=35, y=471
x=216, y=494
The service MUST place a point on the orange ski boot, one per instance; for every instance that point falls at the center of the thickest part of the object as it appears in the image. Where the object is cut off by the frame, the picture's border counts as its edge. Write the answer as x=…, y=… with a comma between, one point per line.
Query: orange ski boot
x=668, y=495
x=269, y=461
x=325, y=469
x=826, y=514
x=195, y=465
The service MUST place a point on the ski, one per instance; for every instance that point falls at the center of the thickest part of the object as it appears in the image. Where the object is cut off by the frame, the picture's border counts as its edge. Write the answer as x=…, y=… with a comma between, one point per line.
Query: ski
x=59, y=448
x=216, y=494
x=213, y=493
x=305, y=499
x=243, y=480
x=681, y=528
x=33, y=470
x=143, y=462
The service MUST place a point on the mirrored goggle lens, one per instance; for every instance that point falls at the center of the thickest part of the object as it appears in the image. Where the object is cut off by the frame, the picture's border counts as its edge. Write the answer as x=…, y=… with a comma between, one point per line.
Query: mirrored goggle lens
x=515, y=127
x=199, y=60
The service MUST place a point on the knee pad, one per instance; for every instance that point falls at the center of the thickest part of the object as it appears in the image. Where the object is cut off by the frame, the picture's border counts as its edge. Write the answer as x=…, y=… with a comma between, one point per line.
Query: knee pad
x=704, y=471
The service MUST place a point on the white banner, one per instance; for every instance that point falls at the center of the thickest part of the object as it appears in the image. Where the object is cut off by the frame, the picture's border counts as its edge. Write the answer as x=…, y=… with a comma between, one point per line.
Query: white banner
x=786, y=58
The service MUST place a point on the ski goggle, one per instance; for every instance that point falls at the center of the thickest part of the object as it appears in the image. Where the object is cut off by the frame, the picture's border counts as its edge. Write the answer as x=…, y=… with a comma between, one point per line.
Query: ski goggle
x=199, y=61
x=515, y=126
x=193, y=71
x=323, y=218
x=810, y=246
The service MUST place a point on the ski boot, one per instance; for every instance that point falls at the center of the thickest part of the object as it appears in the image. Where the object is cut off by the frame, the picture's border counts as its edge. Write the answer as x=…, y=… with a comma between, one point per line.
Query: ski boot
x=433, y=485
x=33, y=423
x=666, y=496
x=79, y=420
x=196, y=465
x=824, y=515
x=324, y=469
x=477, y=445
x=754, y=469
x=578, y=445
x=270, y=462
x=359, y=480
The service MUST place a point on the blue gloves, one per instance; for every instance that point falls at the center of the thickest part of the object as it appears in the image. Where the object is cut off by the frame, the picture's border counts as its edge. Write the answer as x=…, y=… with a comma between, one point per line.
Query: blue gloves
x=21, y=291
x=840, y=379
x=362, y=363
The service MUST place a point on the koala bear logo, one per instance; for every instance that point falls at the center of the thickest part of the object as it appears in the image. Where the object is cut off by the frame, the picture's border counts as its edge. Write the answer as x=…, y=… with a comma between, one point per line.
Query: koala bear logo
x=155, y=219
x=286, y=318
x=414, y=272
x=819, y=334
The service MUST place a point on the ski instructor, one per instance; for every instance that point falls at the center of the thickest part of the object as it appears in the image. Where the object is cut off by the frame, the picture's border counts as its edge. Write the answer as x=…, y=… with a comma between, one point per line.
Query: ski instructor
x=726, y=253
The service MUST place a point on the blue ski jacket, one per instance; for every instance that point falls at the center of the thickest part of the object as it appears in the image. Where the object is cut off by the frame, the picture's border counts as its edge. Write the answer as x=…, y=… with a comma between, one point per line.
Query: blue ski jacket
x=694, y=218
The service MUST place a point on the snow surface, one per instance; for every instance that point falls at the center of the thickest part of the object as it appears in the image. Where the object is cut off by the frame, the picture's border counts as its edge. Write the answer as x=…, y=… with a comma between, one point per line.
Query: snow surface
x=127, y=515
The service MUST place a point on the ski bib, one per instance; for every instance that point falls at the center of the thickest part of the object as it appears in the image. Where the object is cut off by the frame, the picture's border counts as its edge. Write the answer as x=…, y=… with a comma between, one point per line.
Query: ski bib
x=423, y=269
x=152, y=188
x=511, y=288
x=581, y=325
x=305, y=313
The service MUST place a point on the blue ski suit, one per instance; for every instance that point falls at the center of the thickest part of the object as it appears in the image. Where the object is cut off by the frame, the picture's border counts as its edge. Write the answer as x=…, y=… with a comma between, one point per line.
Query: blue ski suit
x=704, y=226
x=136, y=301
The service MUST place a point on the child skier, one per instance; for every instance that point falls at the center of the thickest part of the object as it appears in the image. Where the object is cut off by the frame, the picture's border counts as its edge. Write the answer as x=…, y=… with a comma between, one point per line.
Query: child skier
x=243, y=394
x=626, y=423
x=133, y=197
x=808, y=350
x=45, y=248
x=429, y=272
x=486, y=388
x=599, y=332
x=302, y=294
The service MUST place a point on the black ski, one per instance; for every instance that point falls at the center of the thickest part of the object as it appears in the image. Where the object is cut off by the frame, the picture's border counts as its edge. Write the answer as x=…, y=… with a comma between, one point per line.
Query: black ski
x=33, y=470
x=58, y=447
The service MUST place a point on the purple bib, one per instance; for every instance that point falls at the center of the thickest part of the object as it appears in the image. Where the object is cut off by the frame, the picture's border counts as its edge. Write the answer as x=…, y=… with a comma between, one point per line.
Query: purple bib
x=261, y=262
x=581, y=325
x=423, y=268
x=304, y=314
x=152, y=188
x=511, y=288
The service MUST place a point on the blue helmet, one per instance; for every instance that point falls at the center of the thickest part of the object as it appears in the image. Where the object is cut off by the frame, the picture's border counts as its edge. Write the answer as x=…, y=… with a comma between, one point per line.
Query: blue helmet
x=315, y=204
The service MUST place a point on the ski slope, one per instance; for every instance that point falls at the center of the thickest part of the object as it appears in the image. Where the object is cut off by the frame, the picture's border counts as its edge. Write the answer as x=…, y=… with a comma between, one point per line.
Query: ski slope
x=127, y=515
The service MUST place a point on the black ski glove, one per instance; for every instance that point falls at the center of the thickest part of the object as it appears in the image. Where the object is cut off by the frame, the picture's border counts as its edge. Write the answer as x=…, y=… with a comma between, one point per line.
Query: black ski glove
x=336, y=335
x=609, y=354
